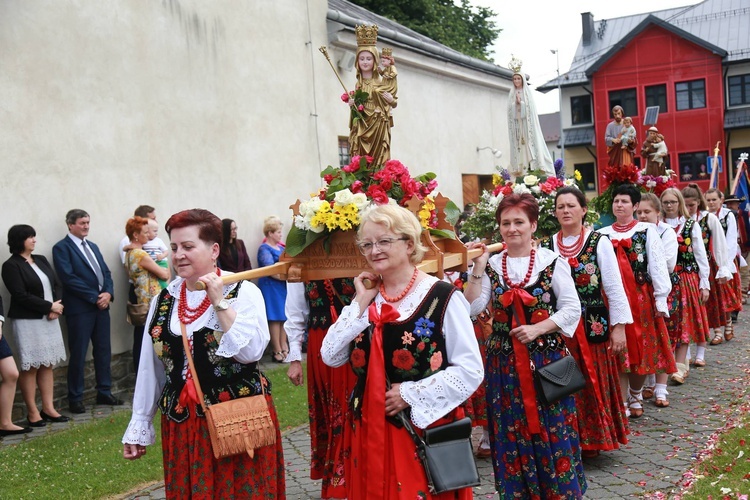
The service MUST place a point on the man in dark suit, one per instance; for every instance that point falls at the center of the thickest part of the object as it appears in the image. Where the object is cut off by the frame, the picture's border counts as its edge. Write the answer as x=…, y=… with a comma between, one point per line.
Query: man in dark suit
x=87, y=293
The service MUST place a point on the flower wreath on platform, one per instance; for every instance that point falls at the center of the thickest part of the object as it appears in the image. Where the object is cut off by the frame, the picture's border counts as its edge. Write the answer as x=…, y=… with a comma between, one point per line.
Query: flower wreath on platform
x=349, y=190
x=630, y=174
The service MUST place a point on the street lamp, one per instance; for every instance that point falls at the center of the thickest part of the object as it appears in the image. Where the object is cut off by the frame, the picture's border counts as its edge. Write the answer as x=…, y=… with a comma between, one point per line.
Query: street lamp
x=496, y=152
x=559, y=92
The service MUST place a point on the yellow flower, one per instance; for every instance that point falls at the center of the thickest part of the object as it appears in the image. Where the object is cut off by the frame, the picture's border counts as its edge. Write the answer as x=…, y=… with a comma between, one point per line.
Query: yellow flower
x=321, y=217
x=577, y=175
x=425, y=213
x=497, y=179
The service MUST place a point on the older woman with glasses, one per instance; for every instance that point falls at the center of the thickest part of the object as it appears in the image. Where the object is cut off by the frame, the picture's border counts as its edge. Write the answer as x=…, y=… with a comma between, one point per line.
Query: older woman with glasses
x=411, y=344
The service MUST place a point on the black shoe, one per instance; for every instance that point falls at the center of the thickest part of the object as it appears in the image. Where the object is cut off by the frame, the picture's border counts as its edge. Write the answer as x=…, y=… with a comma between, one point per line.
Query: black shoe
x=38, y=423
x=76, y=407
x=108, y=399
x=48, y=418
x=23, y=430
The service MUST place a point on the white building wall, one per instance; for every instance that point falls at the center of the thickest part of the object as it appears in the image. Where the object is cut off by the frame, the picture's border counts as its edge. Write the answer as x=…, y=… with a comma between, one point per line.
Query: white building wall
x=221, y=105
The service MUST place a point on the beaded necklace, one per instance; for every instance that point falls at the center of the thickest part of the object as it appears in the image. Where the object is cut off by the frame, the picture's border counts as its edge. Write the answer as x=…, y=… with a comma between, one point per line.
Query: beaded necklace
x=188, y=314
x=506, y=278
x=570, y=250
x=624, y=228
x=402, y=294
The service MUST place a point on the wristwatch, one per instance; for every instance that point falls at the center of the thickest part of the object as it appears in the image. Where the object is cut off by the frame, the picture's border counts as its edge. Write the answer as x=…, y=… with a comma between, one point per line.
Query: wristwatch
x=222, y=306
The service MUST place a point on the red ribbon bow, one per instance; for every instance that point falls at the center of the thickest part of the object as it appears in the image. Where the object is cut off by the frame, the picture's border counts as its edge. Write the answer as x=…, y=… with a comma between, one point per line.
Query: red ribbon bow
x=518, y=298
x=633, y=332
x=373, y=407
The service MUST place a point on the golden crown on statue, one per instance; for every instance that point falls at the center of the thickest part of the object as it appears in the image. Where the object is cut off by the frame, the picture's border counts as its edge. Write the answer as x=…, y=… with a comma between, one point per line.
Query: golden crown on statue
x=366, y=35
x=515, y=64
x=387, y=51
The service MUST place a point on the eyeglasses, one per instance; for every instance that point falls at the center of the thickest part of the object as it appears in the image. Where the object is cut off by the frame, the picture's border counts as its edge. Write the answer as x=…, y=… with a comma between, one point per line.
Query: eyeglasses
x=665, y=202
x=383, y=245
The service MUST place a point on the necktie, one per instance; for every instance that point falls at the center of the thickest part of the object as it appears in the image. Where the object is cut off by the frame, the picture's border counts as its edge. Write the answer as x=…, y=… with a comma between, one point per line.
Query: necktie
x=94, y=264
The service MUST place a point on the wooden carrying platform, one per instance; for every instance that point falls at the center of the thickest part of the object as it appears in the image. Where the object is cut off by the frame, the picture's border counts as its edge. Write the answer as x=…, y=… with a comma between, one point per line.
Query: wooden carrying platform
x=344, y=260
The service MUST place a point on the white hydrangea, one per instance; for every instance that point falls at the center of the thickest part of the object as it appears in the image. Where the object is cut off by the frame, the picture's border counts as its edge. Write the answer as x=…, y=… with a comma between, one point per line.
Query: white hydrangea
x=521, y=189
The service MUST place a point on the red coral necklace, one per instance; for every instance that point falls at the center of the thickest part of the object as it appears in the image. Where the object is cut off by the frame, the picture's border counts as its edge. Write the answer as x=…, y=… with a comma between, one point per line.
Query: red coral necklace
x=506, y=278
x=188, y=314
x=573, y=250
x=402, y=294
x=624, y=228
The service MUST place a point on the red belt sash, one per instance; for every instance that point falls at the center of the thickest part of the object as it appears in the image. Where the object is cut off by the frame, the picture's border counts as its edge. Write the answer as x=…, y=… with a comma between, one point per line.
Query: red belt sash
x=633, y=332
x=373, y=407
x=518, y=298
x=588, y=360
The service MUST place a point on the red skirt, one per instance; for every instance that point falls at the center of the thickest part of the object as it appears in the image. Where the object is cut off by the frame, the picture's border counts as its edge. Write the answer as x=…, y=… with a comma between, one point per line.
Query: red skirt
x=602, y=424
x=689, y=323
x=656, y=351
x=191, y=471
x=721, y=300
x=476, y=406
x=737, y=288
x=328, y=391
x=404, y=477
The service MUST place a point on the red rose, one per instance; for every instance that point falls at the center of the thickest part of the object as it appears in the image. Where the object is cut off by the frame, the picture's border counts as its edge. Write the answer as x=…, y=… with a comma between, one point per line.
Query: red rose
x=377, y=194
x=328, y=178
x=313, y=293
x=683, y=248
x=403, y=360
x=583, y=280
x=507, y=190
x=224, y=396
x=539, y=315
x=633, y=256
x=345, y=97
x=357, y=358
x=347, y=289
x=597, y=328
x=562, y=465
x=356, y=187
x=501, y=316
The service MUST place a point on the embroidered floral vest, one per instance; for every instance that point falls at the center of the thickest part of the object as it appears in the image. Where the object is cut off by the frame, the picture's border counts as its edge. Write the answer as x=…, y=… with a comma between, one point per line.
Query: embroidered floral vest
x=321, y=296
x=588, y=279
x=221, y=378
x=413, y=349
x=638, y=257
x=499, y=342
x=706, y=234
x=686, y=262
x=723, y=222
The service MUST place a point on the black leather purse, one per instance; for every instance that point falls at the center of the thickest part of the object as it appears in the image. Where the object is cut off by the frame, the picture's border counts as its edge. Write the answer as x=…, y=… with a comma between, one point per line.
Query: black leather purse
x=558, y=379
x=446, y=455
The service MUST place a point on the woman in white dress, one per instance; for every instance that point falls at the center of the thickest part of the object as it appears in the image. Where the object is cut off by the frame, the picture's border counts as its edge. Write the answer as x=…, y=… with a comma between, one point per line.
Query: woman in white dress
x=34, y=309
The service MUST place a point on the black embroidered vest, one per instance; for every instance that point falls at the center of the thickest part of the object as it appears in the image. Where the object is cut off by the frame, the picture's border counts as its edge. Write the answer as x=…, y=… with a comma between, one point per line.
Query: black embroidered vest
x=499, y=342
x=706, y=234
x=221, y=378
x=320, y=297
x=413, y=349
x=686, y=262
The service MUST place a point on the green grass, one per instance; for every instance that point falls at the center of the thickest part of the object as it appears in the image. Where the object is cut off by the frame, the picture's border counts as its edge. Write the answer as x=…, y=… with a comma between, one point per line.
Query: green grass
x=86, y=461
x=727, y=472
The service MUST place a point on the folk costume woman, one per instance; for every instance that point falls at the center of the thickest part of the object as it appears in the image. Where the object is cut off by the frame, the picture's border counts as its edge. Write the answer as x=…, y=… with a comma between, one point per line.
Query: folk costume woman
x=649, y=210
x=535, y=447
x=690, y=322
x=715, y=200
x=528, y=151
x=370, y=132
x=411, y=344
x=642, y=262
x=718, y=261
x=227, y=332
x=313, y=307
x=602, y=423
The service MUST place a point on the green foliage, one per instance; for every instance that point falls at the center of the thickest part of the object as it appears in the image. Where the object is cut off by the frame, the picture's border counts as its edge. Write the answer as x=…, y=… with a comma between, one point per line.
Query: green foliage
x=290, y=400
x=466, y=28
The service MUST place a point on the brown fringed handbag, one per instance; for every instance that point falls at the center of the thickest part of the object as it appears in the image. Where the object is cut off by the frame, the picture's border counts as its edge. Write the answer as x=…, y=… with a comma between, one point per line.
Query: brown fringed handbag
x=236, y=426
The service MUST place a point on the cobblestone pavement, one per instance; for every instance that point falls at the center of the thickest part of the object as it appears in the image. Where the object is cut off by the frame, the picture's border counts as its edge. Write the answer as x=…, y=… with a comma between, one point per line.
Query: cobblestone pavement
x=662, y=446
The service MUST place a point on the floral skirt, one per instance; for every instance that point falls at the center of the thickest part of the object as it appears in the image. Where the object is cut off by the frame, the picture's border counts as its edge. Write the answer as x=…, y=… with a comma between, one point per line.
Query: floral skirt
x=328, y=391
x=656, y=351
x=545, y=465
x=689, y=323
x=404, y=477
x=737, y=288
x=476, y=405
x=601, y=421
x=721, y=300
x=191, y=471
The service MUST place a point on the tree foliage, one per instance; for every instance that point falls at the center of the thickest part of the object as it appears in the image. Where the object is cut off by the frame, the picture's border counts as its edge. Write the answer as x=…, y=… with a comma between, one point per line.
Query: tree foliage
x=461, y=26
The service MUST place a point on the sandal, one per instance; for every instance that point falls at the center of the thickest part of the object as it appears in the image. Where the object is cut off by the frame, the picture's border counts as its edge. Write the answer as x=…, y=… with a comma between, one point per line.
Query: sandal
x=648, y=392
x=717, y=338
x=275, y=357
x=699, y=363
x=635, y=403
x=661, y=398
x=729, y=332
x=679, y=377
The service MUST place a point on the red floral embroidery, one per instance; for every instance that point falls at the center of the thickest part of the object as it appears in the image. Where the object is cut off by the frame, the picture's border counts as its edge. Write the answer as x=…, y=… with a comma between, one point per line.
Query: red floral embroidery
x=403, y=359
x=633, y=257
x=501, y=316
x=597, y=328
x=313, y=293
x=562, y=465
x=357, y=358
x=539, y=315
x=583, y=279
x=421, y=346
x=224, y=396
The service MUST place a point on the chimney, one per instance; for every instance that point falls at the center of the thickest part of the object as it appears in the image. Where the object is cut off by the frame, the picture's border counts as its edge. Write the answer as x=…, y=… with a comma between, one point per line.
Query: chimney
x=587, y=20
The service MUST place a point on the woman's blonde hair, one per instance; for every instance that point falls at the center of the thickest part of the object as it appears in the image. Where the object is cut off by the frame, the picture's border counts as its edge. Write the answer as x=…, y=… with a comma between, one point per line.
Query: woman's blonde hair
x=653, y=199
x=681, y=208
x=271, y=224
x=399, y=220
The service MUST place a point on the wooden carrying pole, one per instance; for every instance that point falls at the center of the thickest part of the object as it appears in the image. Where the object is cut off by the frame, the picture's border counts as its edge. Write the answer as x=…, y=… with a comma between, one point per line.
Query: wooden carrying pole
x=292, y=271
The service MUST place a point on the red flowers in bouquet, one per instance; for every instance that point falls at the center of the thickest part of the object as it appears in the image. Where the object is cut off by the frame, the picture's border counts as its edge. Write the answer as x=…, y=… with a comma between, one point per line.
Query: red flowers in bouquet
x=625, y=174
